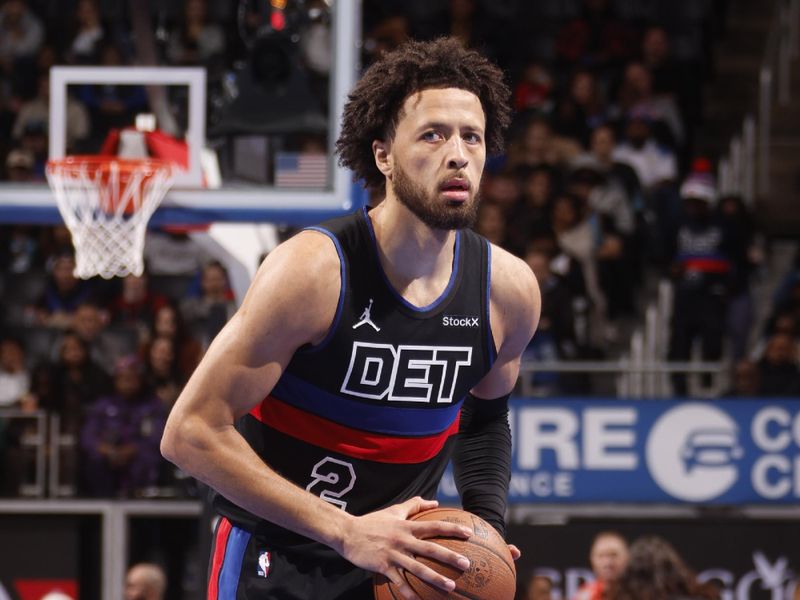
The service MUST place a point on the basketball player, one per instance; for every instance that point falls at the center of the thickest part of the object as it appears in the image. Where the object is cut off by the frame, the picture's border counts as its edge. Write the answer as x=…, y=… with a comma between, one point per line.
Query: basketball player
x=325, y=411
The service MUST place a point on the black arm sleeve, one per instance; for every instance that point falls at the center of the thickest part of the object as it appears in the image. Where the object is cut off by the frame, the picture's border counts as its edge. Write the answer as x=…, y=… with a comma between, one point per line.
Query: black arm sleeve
x=482, y=459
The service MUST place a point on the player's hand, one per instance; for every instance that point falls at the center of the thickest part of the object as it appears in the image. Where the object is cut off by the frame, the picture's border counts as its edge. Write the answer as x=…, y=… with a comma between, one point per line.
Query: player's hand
x=386, y=542
x=515, y=552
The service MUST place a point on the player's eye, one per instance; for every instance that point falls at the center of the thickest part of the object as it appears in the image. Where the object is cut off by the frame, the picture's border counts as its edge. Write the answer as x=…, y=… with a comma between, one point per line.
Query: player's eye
x=472, y=138
x=432, y=136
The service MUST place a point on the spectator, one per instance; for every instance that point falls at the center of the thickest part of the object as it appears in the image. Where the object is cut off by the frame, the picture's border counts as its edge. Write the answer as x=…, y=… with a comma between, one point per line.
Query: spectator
x=20, y=248
x=582, y=110
x=145, y=581
x=555, y=338
x=90, y=322
x=491, y=223
x=21, y=33
x=208, y=312
x=539, y=588
x=596, y=40
x=111, y=106
x=609, y=559
x=136, y=304
x=89, y=33
x=653, y=163
x=196, y=41
x=168, y=322
x=589, y=180
x=558, y=319
x=613, y=232
x=671, y=77
x=120, y=438
x=69, y=385
x=36, y=112
x=787, y=306
x=19, y=166
x=701, y=272
x=533, y=91
x=780, y=374
x=503, y=189
x=161, y=370
x=601, y=148
x=14, y=377
x=62, y=295
x=173, y=253
x=575, y=233
x=538, y=145
x=746, y=379
x=34, y=139
x=655, y=570
x=739, y=228
x=532, y=214
x=636, y=94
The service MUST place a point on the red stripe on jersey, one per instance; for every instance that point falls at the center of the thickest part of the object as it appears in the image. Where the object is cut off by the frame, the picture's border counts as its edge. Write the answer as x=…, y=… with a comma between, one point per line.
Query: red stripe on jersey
x=707, y=265
x=220, y=545
x=355, y=443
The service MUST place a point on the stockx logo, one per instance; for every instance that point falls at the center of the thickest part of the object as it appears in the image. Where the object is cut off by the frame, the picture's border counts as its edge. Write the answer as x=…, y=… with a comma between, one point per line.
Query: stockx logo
x=451, y=321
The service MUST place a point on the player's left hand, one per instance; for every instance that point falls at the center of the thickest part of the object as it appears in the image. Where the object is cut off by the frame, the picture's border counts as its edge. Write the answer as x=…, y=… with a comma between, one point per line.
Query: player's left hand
x=515, y=552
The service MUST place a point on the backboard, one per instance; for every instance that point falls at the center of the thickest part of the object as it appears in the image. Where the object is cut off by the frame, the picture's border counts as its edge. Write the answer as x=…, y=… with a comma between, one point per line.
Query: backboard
x=263, y=160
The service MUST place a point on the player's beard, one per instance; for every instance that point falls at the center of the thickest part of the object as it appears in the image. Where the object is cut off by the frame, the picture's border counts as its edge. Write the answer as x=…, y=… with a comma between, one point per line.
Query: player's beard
x=435, y=214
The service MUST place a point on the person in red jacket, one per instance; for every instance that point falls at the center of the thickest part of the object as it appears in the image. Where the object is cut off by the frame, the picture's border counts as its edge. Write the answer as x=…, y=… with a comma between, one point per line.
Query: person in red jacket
x=609, y=557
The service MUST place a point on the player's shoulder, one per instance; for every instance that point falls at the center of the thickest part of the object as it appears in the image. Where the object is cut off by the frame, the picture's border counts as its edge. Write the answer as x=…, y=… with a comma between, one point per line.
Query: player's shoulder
x=513, y=282
x=310, y=251
x=305, y=266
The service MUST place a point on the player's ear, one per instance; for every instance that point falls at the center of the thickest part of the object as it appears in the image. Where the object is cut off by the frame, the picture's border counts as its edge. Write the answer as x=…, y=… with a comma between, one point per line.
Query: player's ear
x=383, y=156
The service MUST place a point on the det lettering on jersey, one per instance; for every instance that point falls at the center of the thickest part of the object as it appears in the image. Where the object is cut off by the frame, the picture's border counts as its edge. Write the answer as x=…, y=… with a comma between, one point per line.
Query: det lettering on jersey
x=405, y=372
x=455, y=321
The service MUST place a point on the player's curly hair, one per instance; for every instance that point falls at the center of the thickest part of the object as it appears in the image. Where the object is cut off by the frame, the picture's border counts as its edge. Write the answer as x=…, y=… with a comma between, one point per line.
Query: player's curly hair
x=373, y=107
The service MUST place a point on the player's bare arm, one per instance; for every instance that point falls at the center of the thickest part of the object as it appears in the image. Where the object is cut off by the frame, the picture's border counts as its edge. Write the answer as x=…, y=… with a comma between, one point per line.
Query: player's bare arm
x=515, y=308
x=292, y=302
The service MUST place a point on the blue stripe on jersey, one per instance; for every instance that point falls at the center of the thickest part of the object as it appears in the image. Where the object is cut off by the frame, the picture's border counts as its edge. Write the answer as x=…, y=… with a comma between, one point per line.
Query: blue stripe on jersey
x=387, y=419
x=406, y=303
x=343, y=279
x=490, y=340
x=232, y=563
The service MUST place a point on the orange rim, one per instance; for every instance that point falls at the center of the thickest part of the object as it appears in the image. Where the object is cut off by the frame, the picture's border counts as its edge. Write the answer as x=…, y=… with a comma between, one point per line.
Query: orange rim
x=125, y=166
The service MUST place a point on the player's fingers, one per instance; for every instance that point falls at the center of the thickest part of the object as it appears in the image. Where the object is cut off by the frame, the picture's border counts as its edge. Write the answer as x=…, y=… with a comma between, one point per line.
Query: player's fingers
x=425, y=573
x=440, y=554
x=417, y=504
x=515, y=552
x=429, y=529
x=400, y=583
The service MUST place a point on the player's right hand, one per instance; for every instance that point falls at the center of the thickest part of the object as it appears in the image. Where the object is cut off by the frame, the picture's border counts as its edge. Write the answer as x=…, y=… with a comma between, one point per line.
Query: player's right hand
x=386, y=542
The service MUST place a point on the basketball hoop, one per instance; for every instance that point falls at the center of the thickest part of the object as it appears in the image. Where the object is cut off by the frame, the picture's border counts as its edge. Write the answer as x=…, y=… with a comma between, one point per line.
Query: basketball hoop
x=106, y=203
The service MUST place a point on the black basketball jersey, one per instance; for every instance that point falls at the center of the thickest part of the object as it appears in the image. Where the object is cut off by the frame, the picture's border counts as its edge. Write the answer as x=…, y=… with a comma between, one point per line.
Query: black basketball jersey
x=367, y=418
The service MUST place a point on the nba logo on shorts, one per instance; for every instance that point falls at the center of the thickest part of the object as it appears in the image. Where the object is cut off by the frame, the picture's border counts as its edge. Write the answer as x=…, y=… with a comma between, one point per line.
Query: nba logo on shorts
x=263, y=564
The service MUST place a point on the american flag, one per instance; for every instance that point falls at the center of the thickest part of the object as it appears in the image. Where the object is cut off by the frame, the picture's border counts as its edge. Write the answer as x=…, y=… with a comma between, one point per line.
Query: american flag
x=296, y=169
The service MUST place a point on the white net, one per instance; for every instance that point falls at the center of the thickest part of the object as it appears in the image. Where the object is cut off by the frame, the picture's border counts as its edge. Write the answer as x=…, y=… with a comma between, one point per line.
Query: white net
x=106, y=202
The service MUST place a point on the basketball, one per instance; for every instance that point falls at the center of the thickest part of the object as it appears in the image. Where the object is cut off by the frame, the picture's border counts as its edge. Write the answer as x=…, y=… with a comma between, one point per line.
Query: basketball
x=491, y=574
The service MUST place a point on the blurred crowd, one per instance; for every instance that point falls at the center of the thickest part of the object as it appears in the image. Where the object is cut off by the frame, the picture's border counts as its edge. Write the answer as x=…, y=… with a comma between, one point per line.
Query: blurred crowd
x=600, y=191
x=650, y=567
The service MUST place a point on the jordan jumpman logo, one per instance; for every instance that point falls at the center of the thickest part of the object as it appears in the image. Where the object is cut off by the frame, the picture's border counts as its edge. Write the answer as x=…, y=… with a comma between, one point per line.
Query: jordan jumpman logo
x=366, y=319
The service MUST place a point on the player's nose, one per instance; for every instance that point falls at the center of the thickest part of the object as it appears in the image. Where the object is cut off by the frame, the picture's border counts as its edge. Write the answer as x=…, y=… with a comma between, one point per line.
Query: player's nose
x=456, y=153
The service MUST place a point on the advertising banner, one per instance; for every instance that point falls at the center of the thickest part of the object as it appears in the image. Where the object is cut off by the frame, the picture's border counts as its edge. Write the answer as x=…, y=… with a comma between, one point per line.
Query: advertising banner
x=40, y=555
x=723, y=452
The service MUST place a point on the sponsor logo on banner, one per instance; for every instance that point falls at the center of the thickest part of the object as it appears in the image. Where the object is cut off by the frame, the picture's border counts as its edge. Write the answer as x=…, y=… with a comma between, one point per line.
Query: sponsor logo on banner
x=692, y=452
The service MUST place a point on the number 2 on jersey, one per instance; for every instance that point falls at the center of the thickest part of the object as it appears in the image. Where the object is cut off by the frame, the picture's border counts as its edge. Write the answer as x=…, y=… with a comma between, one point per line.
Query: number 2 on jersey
x=331, y=479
